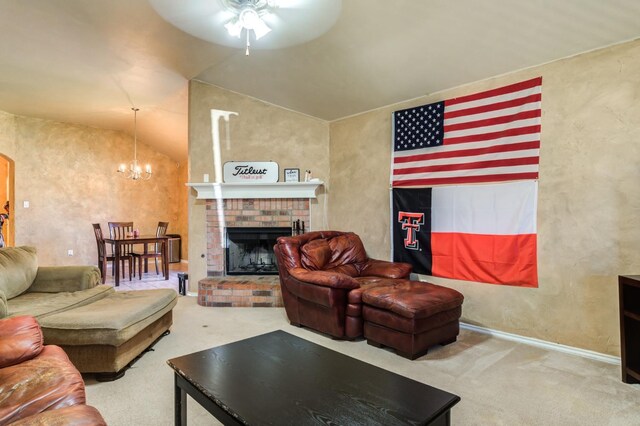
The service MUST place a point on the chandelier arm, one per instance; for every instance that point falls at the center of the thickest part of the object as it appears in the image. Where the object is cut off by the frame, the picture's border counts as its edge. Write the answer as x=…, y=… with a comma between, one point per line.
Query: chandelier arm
x=135, y=172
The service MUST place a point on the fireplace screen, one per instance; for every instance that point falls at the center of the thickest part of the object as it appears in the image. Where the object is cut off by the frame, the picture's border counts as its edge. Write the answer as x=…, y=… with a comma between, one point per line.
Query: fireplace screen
x=250, y=250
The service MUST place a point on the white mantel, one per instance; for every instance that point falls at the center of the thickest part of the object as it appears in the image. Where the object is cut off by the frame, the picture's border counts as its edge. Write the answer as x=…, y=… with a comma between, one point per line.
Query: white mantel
x=223, y=191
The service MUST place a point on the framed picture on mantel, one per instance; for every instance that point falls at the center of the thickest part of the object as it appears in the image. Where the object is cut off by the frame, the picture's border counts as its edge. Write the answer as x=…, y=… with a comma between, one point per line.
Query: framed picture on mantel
x=292, y=175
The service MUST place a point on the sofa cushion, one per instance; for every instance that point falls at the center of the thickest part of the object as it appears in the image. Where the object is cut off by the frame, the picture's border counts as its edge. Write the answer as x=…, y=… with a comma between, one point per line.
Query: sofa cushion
x=46, y=382
x=346, y=249
x=21, y=339
x=112, y=320
x=76, y=415
x=41, y=305
x=18, y=268
x=315, y=254
x=4, y=308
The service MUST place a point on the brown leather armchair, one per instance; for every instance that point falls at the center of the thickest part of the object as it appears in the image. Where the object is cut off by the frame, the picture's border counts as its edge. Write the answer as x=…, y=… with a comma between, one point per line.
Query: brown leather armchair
x=322, y=275
x=38, y=383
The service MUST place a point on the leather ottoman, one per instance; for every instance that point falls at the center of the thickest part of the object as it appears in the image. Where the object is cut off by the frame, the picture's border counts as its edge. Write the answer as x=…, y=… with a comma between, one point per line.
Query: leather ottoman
x=411, y=316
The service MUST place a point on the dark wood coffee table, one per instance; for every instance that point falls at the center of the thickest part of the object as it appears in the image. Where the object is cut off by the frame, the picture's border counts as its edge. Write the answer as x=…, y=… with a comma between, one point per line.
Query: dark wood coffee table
x=280, y=379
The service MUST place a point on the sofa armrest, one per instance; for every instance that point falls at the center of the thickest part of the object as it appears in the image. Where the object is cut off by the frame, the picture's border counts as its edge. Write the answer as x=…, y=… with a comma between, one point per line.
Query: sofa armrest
x=55, y=279
x=4, y=309
x=326, y=279
x=21, y=339
x=382, y=268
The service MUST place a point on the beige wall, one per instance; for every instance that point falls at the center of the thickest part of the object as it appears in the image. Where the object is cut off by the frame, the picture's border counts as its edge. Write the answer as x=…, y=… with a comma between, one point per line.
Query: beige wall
x=262, y=132
x=589, y=198
x=182, y=225
x=68, y=174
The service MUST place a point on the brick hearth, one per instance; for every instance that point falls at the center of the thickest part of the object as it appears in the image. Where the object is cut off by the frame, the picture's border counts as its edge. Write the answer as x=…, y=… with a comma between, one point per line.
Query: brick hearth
x=255, y=290
x=240, y=291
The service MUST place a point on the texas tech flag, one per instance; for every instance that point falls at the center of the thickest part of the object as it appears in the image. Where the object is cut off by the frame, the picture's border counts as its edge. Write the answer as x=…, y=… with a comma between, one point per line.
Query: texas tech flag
x=412, y=228
x=481, y=233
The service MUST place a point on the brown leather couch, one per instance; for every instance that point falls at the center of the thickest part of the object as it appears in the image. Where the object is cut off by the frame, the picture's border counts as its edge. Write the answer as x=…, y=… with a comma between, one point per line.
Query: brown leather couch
x=323, y=274
x=38, y=383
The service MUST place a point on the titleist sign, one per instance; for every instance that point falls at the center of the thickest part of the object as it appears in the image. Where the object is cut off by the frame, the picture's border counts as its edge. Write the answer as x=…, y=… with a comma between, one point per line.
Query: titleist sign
x=251, y=171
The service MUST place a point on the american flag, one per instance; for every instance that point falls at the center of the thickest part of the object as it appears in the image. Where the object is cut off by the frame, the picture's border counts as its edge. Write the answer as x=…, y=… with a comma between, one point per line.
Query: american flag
x=491, y=136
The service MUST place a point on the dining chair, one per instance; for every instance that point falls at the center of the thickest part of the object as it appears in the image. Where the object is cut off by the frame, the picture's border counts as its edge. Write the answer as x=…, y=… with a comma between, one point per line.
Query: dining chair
x=104, y=257
x=120, y=230
x=156, y=253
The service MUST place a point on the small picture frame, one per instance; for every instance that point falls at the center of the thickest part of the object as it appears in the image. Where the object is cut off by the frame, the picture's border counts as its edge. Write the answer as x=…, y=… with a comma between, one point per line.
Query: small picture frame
x=292, y=175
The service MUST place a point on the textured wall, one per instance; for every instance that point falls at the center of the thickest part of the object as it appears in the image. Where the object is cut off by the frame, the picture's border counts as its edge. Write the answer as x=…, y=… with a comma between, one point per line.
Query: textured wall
x=262, y=132
x=589, y=203
x=182, y=225
x=68, y=174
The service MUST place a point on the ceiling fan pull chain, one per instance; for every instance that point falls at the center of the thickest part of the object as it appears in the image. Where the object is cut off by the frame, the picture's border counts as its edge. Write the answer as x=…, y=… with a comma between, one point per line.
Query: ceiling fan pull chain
x=248, y=44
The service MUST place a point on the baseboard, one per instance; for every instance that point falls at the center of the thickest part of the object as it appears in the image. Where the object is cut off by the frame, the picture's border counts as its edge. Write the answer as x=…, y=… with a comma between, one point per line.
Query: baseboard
x=610, y=359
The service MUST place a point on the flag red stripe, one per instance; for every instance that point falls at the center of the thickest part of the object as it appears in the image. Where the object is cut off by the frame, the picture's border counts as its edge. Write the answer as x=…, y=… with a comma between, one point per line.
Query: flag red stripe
x=507, y=162
x=495, y=259
x=518, y=146
x=537, y=97
x=524, y=115
x=499, y=91
x=466, y=179
x=492, y=135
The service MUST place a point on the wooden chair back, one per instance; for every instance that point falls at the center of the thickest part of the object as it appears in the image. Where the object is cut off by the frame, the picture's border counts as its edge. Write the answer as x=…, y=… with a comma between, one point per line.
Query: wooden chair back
x=121, y=230
x=162, y=228
x=102, y=250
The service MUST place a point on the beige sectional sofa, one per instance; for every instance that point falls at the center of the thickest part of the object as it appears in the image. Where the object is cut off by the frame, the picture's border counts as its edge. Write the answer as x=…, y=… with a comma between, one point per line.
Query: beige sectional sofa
x=101, y=330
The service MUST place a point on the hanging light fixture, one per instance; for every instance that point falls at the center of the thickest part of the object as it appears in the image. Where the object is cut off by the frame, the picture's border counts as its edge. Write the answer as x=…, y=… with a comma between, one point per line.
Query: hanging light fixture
x=135, y=172
x=239, y=23
x=248, y=17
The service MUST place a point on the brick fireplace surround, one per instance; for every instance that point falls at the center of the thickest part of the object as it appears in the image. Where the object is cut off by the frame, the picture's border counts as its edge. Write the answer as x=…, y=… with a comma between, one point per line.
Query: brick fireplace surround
x=251, y=290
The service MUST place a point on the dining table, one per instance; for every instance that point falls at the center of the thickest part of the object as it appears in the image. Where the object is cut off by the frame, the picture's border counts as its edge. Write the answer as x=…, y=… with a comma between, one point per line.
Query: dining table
x=145, y=240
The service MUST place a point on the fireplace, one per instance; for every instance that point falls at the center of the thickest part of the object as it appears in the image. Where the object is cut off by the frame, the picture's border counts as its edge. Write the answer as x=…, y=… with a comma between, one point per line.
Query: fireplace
x=249, y=251
x=220, y=289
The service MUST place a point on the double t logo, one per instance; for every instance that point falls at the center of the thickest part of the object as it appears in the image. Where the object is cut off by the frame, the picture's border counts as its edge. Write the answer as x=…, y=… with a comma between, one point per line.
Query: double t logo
x=411, y=223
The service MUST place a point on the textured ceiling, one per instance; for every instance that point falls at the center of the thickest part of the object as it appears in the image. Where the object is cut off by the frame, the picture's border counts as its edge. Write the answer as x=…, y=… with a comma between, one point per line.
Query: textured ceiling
x=89, y=61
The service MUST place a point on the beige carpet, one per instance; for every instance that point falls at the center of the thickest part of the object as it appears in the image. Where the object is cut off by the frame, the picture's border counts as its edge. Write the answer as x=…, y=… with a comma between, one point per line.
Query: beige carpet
x=500, y=382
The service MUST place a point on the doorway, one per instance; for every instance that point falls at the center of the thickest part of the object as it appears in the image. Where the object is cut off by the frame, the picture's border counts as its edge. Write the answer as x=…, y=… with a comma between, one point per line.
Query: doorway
x=6, y=194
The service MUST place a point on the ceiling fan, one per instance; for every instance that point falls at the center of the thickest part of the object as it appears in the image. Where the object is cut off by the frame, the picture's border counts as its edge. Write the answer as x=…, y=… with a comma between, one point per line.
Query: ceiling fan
x=238, y=23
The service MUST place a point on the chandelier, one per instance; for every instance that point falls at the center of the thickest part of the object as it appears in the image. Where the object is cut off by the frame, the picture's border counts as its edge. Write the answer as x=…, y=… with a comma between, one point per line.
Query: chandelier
x=248, y=17
x=134, y=172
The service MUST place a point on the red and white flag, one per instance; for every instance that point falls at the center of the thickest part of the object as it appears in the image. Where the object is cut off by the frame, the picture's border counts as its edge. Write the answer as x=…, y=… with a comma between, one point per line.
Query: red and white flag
x=493, y=136
x=482, y=233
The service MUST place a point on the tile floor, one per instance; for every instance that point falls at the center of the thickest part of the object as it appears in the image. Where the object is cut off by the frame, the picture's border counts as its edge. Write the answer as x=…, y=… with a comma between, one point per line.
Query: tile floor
x=149, y=279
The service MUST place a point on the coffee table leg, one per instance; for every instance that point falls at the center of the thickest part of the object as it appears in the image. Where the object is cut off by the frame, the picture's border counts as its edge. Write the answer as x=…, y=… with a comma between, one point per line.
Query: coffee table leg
x=180, y=404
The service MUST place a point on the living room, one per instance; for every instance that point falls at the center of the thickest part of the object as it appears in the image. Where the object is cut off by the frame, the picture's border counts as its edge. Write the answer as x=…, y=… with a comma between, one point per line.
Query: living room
x=586, y=214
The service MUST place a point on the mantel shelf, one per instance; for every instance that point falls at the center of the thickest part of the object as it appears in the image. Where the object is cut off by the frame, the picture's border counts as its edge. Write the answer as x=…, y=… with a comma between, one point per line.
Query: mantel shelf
x=208, y=191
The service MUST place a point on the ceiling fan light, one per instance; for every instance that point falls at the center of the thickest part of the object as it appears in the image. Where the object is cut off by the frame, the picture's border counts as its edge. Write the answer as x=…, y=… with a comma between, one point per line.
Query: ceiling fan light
x=234, y=28
x=261, y=29
x=249, y=18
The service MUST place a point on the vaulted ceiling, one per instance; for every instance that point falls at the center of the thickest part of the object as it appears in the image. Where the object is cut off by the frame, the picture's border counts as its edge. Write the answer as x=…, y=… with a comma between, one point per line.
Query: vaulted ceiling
x=90, y=61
